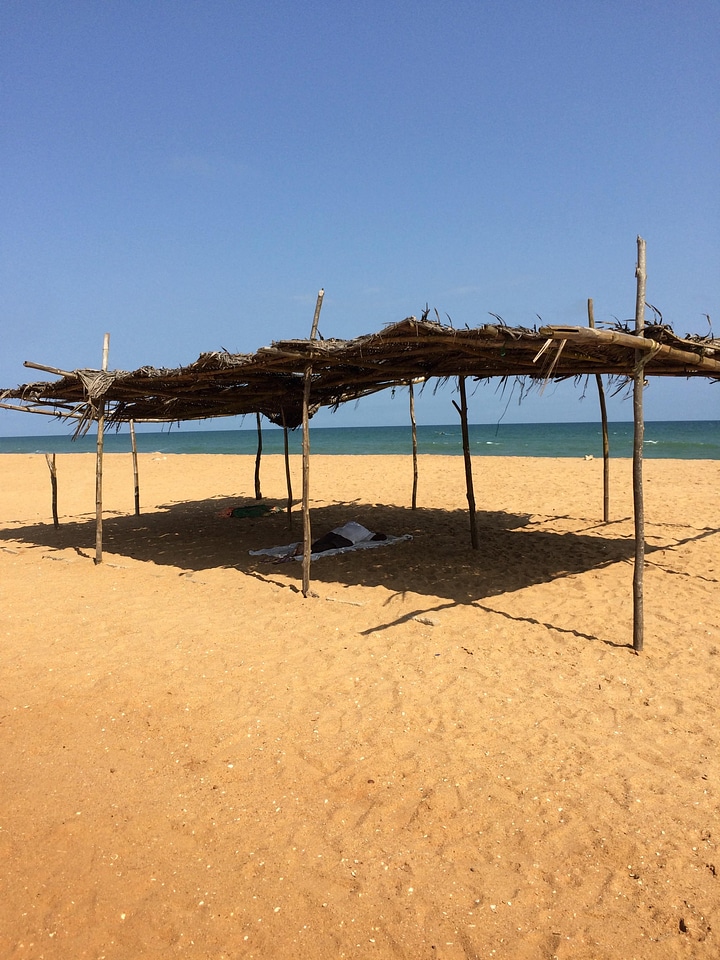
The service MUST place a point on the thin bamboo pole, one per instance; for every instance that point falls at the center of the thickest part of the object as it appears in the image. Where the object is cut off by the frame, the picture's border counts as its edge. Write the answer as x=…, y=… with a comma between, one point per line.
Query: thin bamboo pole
x=414, y=446
x=307, y=529
x=53, y=486
x=99, y=462
x=258, y=457
x=638, y=437
x=463, y=411
x=604, y=421
x=288, y=478
x=136, y=476
x=57, y=410
x=316, y=316
x=41, y=366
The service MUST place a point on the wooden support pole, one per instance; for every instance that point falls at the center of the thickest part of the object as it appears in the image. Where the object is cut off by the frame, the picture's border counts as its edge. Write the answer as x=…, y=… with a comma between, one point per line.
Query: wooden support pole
x=288, y=478
x=462, y=410
x=307, y=530
x=316, y=316
x=99, y=462
x=414, y=446
x=638, y=437
x=136, y=476
x=53, y=486
x=258, y=457
x=604, y=421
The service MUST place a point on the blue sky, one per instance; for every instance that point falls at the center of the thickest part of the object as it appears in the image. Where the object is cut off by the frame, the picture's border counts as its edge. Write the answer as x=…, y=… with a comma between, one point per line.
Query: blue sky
x=186, y=175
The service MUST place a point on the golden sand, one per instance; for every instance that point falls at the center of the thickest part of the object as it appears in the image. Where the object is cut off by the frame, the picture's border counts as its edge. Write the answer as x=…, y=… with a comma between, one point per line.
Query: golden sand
x=445, y=753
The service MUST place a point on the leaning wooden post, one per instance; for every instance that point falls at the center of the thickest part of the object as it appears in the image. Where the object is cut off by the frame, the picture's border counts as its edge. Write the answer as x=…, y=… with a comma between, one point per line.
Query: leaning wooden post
x=99, y=461
x=258, y=457
x=307, y=532
x=462, y=410
x=53, y=486
x=639, y=508
x=414, y=446
x=603, y=418
x=136, y=480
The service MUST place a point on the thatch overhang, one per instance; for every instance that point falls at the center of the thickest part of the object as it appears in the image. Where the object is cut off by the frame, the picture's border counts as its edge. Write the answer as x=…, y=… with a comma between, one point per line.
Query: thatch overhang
x=271, y=380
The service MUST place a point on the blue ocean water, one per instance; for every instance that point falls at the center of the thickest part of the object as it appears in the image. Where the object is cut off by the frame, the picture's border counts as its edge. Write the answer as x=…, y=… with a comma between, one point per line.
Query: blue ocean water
x=676, y=440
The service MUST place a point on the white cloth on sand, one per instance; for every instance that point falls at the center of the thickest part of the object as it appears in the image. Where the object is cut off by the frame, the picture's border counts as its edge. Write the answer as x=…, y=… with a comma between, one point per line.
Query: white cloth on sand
x=354, y=532
x=359, y=536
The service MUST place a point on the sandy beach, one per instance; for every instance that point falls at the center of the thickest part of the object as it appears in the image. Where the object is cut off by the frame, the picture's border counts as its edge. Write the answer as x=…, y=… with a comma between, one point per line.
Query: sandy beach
x=444, y=753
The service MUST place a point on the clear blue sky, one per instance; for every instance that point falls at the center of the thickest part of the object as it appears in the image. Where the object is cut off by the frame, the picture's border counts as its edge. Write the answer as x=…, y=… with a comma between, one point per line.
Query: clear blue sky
x=186, y=175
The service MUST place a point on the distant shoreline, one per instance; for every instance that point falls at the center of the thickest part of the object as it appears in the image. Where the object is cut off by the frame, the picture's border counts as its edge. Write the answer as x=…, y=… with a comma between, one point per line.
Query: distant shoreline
x=677, y=439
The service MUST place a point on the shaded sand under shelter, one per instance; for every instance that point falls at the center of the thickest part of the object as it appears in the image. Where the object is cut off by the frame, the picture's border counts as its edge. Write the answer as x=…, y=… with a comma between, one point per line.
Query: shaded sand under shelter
x=291, y=379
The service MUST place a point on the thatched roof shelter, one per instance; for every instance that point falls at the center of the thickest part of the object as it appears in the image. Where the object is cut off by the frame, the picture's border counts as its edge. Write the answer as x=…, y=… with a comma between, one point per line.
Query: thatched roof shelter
x=271, y=381
x=291, y=379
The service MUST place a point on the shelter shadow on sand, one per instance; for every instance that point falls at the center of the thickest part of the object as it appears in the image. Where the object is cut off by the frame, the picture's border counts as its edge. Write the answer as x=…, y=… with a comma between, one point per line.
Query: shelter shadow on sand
x=514, y=551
